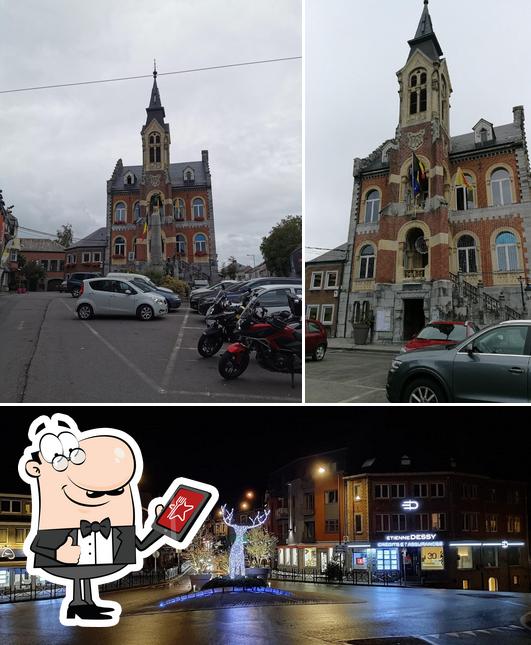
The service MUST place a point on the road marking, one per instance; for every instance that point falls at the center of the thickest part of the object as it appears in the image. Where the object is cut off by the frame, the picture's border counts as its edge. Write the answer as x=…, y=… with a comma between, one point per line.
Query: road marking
x=20, y=325
x=232, y=395
x=360, y=396
x=190, y=327
x=173, y=356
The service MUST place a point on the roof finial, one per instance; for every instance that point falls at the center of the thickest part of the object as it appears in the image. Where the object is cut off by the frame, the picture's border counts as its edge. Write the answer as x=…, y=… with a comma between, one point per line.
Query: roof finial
x=155, y=65
x=426, y=2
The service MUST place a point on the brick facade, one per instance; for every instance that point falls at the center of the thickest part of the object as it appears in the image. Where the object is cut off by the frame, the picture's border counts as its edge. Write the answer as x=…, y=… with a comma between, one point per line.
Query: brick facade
x=405, y=262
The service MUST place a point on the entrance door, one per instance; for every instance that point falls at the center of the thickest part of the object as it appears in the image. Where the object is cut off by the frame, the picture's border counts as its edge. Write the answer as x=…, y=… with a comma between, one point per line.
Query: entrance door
x=414, y=319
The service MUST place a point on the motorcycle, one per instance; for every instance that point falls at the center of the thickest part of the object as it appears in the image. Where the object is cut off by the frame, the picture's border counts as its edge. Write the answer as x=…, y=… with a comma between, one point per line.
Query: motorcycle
x=276, y=341
x=222, y=326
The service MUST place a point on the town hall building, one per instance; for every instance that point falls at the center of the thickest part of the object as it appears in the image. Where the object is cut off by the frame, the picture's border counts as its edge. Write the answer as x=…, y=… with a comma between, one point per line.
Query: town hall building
x=439, y=224
x=160, y=215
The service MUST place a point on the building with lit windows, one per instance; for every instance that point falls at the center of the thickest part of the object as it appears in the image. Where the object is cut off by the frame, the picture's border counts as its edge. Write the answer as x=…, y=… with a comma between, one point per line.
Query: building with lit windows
x=396, y=522
x=439, y=224
x=160, y=214
x=15, y=522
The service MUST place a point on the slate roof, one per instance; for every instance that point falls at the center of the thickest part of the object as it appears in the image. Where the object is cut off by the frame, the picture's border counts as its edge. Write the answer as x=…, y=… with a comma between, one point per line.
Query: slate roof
x=39, y=245
x=176, y=175
x=96, y=239
x=335, y=255
x=425, y=38
x=463, y=143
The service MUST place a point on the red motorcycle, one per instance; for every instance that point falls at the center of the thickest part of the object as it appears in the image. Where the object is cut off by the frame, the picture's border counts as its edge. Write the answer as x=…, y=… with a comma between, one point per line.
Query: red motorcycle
x=276, y=341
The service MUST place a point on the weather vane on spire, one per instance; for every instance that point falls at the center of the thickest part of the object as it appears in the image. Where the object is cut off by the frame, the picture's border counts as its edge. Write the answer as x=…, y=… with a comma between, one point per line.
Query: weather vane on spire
x=155, y=64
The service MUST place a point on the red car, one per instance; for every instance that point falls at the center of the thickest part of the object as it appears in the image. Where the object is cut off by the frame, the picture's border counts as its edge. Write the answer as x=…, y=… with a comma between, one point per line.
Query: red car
x=441, y=332
x=316, y=342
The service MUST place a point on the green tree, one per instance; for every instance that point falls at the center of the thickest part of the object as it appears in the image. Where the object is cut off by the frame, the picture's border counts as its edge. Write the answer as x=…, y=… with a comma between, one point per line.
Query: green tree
x=32, y=271
x=65, y=235
x=260, y=545
x=283, y=239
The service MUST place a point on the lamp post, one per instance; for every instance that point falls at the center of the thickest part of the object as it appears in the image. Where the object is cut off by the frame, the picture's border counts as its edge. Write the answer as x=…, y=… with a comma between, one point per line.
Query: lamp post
x=251, y=255
x=521, y=279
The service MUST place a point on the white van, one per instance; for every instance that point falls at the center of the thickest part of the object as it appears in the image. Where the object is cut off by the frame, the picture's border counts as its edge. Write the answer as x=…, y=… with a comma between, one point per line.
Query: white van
x=130, y=276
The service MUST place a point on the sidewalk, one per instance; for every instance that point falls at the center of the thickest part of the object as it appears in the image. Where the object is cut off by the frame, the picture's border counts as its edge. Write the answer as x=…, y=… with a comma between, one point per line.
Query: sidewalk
x=348, y=344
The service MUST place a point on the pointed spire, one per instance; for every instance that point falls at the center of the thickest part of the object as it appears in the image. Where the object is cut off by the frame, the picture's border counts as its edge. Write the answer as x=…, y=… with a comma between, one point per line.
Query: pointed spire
x=155, y=109
x=425, y=38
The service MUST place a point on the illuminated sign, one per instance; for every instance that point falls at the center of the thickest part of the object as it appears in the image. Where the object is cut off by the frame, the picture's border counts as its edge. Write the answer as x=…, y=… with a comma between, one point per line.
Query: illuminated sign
x=410, y=505
x=411, y=537
x=432, y=557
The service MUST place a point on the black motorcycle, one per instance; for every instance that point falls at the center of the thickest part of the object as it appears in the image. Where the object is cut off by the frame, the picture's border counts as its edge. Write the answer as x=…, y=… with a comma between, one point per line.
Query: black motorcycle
x=222, y=326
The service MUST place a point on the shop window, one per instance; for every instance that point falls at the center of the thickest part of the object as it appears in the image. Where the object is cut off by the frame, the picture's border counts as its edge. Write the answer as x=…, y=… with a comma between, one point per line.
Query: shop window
x=465, y=559
x=493, y=584
x=294, y=558
x=281, y=556
x=310, y=558
x=359, y=559
x=387, y=560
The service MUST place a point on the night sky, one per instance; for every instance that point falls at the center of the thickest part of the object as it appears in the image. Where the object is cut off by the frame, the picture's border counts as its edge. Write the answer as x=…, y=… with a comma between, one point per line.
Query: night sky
x=235, y=448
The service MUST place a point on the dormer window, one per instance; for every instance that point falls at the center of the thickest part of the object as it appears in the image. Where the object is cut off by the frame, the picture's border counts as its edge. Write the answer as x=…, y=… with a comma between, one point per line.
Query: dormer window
x=154, y=148
x=189, y=176
x=483, y=132
x=418, y=92
x=129, y=179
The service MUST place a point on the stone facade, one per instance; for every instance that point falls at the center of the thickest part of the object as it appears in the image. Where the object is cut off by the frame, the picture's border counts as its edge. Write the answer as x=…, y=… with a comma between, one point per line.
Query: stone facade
x=160, y=215
x=455, y=244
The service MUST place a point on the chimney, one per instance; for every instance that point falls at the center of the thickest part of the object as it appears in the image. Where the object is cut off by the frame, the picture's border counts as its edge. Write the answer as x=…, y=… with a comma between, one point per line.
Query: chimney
x=518, y=116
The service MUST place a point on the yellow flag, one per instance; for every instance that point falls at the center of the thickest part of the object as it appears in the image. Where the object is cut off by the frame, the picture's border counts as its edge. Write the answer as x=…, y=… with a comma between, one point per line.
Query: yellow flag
x=460, y=179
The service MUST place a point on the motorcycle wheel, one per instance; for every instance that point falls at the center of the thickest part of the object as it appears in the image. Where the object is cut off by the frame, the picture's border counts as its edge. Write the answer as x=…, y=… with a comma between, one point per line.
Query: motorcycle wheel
x=207, y=346
x=231, y=365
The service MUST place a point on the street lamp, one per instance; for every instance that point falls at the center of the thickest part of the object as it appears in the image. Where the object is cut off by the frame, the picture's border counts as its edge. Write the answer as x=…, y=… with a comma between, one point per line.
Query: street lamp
x=249, y=494
x=251, y=255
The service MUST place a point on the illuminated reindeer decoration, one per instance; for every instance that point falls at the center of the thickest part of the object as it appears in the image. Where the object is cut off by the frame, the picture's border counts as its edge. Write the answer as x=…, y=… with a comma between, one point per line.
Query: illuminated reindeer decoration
x=237, y=556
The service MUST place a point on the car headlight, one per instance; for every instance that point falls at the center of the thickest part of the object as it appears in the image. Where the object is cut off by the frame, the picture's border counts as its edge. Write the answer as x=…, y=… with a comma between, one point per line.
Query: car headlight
x=395, y=363
x=161, y=301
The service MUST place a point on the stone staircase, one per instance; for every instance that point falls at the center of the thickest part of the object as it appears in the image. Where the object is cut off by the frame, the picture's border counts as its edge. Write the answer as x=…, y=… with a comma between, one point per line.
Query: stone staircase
x=472, y=303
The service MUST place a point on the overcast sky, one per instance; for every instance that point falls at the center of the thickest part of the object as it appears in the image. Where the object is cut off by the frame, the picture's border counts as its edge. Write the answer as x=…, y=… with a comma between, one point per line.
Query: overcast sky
x=353, y=51
x=59, y=146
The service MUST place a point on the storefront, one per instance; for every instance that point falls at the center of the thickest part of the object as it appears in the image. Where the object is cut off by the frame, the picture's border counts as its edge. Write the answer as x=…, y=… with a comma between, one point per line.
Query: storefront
x=305, y=557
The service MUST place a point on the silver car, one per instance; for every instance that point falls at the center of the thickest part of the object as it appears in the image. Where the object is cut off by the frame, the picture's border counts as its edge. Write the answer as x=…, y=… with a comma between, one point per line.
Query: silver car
x=273, y=297
x=111, y=297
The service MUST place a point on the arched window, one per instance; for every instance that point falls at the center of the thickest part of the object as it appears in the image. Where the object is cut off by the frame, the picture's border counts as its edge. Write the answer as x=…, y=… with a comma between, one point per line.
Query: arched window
x=198, y=208
x=500, y=182
x=200, y=243
x=136, y=212
x=466, y=252
x=119, y=246
x=367, y=259
x=418, y=93
x=372, y=207
x=180, y=244
x=507, y=252
x=154, y=148
x=464, y=191
x=119, y=212
x=179, y=210
x=189, y=176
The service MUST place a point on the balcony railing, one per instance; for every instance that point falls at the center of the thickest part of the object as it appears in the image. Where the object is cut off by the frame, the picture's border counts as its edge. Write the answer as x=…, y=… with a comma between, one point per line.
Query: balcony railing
x=414, y=274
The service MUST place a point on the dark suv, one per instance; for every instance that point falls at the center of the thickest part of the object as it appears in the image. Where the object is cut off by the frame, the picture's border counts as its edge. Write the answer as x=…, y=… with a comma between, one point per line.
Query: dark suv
x=74, y=282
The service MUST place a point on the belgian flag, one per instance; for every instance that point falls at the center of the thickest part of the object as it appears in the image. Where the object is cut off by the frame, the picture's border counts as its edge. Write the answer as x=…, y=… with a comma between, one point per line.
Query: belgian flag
x=419, y=177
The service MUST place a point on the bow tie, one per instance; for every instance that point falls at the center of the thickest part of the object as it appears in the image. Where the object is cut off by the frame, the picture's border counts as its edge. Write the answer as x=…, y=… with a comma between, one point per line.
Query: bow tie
x=103, y=527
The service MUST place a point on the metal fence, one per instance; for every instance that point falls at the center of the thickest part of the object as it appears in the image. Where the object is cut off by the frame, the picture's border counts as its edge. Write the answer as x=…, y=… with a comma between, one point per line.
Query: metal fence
x=353, y=577
x=42, y=590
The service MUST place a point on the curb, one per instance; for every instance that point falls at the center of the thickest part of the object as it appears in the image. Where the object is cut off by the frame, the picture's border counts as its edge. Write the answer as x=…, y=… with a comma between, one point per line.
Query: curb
x=368, y=350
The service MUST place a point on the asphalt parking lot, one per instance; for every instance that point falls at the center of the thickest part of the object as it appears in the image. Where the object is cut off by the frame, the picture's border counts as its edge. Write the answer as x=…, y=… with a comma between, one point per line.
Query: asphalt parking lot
x=50, y=356
x=345, y=376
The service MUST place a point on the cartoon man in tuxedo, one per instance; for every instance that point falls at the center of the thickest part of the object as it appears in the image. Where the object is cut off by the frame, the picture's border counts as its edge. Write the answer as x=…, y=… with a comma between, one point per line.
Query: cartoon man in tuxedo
x=86, y=520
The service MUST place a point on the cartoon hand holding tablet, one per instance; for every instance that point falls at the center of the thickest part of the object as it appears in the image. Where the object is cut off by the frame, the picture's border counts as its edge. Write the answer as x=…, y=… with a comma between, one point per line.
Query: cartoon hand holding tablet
x=86, y=523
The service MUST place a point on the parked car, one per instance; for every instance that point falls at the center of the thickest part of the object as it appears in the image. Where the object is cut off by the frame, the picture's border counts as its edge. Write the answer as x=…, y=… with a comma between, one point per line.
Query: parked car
x=74, y=282
x=173, y=300
x=104, y=297
x=441, y=332
x=197, y=284
x=316, y=339
x=62, y=286
x=236, y=293
x=196, y=295
x=130, y=276
x=272, y=297
x=494, y=366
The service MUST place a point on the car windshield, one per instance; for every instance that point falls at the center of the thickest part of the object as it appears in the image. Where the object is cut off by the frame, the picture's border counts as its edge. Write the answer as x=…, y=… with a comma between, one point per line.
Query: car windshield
x=234, y=287
x=443, y=331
